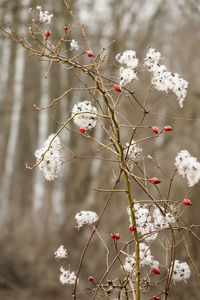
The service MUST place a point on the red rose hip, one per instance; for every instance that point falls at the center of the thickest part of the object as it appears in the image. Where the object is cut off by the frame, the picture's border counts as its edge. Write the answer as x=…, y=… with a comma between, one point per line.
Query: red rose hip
x=82, y=129
x=113, y=235
x=156, y=271
x=187, y=202
x=154, y=180
x=168, y=128
x=47, y=33
x=89, y=53
x=155, y=129
x=117, y=88
x=132, y=228
x=90, y=278
x=117, y=236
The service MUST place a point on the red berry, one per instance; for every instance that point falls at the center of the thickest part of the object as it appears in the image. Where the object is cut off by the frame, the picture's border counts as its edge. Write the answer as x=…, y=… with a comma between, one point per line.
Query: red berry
x=132, y=228
x=117, y=88
x=156, y=271
x=156, y=298
x=168, y=128
x=90, y=278
x=113, y=235
x=47, y=33
x=82, y=129
x=155, y=129
x=117, y=236
x=65, y=28
x=89, y=53
x=154, y=180
x=187, y=202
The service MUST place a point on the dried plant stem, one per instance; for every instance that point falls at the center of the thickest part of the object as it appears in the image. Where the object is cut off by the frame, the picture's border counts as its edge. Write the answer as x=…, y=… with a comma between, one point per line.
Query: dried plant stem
x=91, y=235
x=189, y=257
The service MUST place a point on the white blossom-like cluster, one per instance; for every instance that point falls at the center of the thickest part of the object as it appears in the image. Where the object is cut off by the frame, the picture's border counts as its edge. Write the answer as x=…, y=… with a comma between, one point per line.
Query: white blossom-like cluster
x=129, y=264
x=152, y=58
x=67, y=277
x=146, y=259
x=134, y=152
x=74, y=45
x=86, y=217
x=44, y=16
x=162, y=221
x=85, y=117
x=130, y=62
x=149, y=221
x=51, y=162
x=61, y=252
x=188, y=167
x=126, y=75
x=181, y=271
x=128, y=58
x=162, y=79
x=144, y=223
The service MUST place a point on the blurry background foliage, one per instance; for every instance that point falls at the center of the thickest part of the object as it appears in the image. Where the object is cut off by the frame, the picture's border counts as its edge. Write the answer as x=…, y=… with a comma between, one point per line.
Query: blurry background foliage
x=37, y=216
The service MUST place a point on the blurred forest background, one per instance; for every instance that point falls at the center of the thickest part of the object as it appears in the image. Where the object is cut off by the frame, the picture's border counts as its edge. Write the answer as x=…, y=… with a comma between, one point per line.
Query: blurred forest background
x=37, y=216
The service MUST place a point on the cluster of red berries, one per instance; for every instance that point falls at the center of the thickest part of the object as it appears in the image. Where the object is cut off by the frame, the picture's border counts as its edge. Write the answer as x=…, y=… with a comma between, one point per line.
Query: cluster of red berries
x=166, y=128
x=115, y=236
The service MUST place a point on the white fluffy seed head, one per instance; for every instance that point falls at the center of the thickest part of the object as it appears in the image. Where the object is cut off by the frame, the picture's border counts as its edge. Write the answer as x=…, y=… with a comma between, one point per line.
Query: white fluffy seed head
x=51, y=162
x=152, y=58
x=61, y=252
x=129, y=264
x=126, y=76
x=146, y=259
x=188, y=167
x=74, y=45
x=44, y=16
x=84, y=114
x=128, y=58
x=162, y=79
x=67, y=277
x=85, y=217
x=134, y=152
x=181, y=271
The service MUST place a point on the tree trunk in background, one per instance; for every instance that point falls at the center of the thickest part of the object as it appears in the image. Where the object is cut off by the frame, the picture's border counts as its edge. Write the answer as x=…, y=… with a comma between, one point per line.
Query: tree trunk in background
x=43, y=127
x=59, y=194
x=14, y=129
